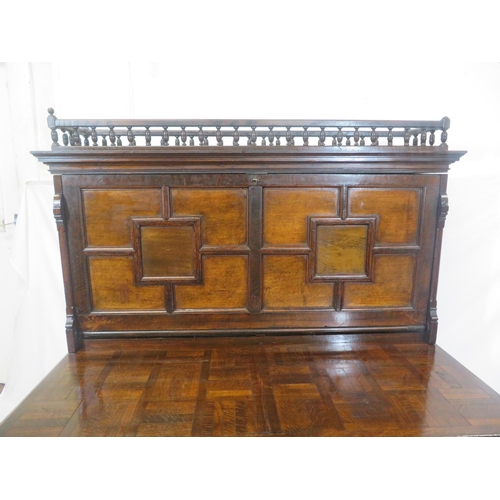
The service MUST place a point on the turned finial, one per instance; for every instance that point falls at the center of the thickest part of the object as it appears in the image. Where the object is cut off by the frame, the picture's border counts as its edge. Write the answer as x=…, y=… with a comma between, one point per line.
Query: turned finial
x=51, y=122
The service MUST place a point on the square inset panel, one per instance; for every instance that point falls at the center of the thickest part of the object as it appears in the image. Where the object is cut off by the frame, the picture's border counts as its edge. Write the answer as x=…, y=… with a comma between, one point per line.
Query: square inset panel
x=342, y=249
x=167, y=251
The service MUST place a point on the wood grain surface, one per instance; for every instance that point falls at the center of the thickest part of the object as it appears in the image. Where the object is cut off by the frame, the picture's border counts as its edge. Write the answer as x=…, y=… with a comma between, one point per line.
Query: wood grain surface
x=345, y=385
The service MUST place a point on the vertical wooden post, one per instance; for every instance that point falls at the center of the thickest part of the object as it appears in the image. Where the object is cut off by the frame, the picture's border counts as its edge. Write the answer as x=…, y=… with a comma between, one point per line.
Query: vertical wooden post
x=73, y=336
x=432, y=318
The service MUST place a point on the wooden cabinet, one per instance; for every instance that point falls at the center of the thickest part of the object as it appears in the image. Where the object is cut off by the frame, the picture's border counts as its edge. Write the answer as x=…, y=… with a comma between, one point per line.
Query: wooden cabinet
x=200, y=240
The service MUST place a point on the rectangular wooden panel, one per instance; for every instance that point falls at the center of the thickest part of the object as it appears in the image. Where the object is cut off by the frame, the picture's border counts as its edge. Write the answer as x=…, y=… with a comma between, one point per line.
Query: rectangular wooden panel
x=286, y=211
x=108, y=214
x=113, y=288
x=225, y=285
x=223, y=211
x=285, y=285
x=397, y=209
x=392, y=285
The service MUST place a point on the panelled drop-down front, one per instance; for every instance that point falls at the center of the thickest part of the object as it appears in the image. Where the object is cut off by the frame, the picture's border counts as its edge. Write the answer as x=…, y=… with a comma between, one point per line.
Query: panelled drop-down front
x=176, y=254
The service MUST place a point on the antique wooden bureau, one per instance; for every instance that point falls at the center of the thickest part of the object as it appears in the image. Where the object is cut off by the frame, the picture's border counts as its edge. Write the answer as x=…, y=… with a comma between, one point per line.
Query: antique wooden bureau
x=228, y=227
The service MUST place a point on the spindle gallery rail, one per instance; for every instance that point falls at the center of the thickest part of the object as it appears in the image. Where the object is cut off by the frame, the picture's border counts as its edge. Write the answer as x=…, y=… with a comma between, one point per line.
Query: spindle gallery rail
x=288, y=133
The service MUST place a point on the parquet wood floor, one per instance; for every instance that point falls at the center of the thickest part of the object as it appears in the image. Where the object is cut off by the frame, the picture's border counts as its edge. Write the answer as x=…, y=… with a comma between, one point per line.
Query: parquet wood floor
x=348, y=385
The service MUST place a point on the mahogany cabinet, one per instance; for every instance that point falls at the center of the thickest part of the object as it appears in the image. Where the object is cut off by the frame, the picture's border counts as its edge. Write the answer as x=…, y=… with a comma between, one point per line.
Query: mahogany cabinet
x=234, y=227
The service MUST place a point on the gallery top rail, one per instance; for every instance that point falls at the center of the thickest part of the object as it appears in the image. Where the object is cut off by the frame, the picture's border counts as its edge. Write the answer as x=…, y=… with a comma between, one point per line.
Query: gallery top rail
x=205, y=132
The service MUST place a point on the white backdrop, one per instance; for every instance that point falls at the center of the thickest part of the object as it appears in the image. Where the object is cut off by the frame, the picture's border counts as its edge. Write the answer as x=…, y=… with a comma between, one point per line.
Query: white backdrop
x=260, y=86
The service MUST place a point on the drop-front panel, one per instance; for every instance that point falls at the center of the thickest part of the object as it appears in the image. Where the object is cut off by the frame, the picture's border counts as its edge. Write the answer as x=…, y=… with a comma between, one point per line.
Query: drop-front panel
x=202, y=253
x=177, y=227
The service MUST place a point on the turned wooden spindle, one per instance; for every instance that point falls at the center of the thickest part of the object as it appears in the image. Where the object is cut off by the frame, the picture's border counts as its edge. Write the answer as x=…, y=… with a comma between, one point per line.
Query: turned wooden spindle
x=201, y=136
x=130, y=137
x=253, y=137
x=407, y=136
x=374, y=137
x=65, y=139
x=444, y=137
x=94, y=137
x=270, y=136
x=236, y=137
x=423, y=137
x=432, y=138
x=55, y=137
x=112, y=136
x=177, y=141
x=104, y=142
x=191, y=140
x=340, y=136
x=218, y=137
x=289, y=137
x=305, y=137
x=118, y=140
x=165, y=137
x=183, y=136
x=147, y=135
x=415, y=139
x=356, y=136
x=322, y=137
x=86, y=138
x=76, y=138
x=390, y=137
